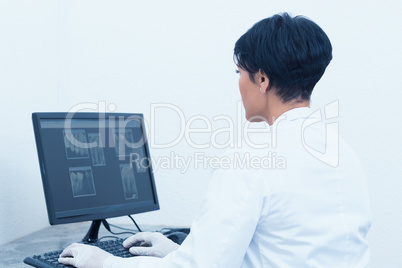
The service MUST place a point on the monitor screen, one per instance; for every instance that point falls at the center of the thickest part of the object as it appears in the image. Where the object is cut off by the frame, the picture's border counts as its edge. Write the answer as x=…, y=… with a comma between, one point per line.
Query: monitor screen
x=94, y=165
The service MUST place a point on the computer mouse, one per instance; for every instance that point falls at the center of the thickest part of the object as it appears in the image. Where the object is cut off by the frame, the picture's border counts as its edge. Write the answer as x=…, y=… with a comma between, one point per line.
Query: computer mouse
x=177, y=237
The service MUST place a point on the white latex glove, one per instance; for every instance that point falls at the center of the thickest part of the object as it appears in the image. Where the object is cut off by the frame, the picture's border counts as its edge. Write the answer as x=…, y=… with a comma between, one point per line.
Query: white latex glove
x=83, y=256
x=151, y=244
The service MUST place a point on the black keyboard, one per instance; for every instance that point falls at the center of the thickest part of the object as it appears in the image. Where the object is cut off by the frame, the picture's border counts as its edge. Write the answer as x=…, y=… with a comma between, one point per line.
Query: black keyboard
x=50, y=259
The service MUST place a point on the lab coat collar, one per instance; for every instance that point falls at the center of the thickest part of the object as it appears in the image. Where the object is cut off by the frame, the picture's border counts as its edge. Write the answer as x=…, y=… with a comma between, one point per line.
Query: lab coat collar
x=295, y=113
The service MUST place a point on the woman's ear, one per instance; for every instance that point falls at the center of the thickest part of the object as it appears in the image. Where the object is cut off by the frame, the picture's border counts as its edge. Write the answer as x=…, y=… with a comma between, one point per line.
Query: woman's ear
x=264, y=82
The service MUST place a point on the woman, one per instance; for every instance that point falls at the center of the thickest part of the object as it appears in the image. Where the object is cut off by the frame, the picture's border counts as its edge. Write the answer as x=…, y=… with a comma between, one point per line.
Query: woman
x=308, y=212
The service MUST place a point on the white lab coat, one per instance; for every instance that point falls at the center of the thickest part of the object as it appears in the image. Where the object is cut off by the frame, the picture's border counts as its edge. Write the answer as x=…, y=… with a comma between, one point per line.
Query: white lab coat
x=301, y=214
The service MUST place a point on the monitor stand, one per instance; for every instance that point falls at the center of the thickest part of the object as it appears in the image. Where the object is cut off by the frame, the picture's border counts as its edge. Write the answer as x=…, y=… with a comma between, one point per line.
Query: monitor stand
x=92, y=234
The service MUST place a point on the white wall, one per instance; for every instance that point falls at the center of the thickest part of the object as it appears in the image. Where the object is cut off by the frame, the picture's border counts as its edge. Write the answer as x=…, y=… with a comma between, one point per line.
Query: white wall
x=57, y=54
x=28, y=82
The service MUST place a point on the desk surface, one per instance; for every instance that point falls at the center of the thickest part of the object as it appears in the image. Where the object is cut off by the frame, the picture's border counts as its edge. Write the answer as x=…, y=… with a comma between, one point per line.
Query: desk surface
x=48, y=239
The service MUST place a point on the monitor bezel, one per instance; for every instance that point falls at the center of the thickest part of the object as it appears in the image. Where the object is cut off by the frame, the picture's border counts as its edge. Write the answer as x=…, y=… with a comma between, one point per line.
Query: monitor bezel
x=53, y=220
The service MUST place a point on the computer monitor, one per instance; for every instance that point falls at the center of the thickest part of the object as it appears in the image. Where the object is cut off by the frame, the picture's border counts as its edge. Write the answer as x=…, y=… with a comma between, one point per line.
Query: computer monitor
x=94, y=166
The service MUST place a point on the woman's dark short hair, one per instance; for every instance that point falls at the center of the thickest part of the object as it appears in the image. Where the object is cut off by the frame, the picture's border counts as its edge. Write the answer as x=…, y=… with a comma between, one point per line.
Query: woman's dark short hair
x=292, y=52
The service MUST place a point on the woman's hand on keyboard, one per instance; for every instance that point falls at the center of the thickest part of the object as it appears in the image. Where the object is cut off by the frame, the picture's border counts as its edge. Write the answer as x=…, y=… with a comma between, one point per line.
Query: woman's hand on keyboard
x=150, y=244
x=83, y=256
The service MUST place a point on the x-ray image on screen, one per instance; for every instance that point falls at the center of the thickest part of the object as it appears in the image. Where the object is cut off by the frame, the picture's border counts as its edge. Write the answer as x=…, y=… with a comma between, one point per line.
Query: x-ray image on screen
x=129, y=184
x=82, y=181
x=138, y=159
x=98, y=157
x=75, y=142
